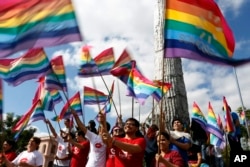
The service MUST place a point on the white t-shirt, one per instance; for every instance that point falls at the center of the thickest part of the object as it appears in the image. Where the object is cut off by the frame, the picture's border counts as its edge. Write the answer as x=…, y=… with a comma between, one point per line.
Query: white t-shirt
x=62, y=151
x=32, y=158
x=97, y=153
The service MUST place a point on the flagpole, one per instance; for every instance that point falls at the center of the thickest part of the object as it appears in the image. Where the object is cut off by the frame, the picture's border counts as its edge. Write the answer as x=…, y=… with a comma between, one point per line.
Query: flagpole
x=242, y=105
x=119, y=97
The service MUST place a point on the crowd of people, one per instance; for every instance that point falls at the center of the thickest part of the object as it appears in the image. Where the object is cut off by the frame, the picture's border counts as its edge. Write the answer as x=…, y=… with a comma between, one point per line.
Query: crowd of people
x=126, y=145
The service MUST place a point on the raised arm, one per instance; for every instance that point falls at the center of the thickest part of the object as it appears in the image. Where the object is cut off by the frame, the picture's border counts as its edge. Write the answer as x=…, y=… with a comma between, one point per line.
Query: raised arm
x=78, y=121
x=51, y=127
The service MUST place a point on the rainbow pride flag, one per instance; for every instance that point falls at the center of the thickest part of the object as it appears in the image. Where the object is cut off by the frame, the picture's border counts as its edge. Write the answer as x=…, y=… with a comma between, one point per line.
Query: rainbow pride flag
x=38, y=114
x=56, y=96
x=33, y=64
x=122, y=66
x=212, y=125
x=43, y=95
x=36, y=23
x=23, y=122
x=229, y=119
x=105, y=61
x=88, y=67
x=73, y=103
x=197, y=29
x=198, y=116
x=56, y=79
x=162, y=89
x=93, y=96
x=139, y=86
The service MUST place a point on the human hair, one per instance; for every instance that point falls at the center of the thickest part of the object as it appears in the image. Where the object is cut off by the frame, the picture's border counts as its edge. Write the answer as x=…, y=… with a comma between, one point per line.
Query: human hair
x=137, y=124
x=92, y=123
x=81, y=133
x=37, y=140
x=166, y=135
x=107, y=126
x=177, y=119
x=12, y=143
x=154, y=127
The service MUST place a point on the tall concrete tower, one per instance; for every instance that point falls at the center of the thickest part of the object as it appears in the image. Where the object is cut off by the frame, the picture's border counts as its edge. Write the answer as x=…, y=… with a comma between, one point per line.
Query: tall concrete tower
x=175, y=101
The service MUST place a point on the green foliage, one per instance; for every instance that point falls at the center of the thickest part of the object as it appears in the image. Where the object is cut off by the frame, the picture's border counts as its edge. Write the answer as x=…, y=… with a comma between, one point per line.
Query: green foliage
x=7, y=133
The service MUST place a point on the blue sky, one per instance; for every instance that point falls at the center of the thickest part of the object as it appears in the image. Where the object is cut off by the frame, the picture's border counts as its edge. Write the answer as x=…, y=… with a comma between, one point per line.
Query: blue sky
x=130, y=24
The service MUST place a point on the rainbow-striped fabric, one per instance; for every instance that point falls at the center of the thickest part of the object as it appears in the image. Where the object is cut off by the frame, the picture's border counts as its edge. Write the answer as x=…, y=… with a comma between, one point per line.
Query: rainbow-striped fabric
x=216, y=134
x=56, y=79
x=139, y=86
x=31, y=65
x=73, y=103
x=93, y=96
x=36, y=23
x=197, y=29
x=198, y=116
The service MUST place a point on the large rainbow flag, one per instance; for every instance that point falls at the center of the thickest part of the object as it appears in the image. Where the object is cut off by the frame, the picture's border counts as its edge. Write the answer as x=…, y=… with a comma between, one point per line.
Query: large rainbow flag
x=36, y=23
x=31, y=65
x=197, y=29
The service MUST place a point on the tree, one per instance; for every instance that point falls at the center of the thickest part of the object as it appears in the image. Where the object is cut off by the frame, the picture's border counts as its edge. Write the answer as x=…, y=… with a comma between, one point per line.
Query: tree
x=7, y=133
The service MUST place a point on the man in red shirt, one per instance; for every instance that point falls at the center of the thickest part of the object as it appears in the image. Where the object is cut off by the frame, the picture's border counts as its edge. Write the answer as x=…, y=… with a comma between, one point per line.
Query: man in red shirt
x=80, y=150
x=129, y=150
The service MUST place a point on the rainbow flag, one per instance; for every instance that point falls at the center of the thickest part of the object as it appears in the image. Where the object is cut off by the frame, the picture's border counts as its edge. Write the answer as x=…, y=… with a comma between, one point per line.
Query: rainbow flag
x=88, y=67
x=162, y=89
x=1, y=100
x=56, y=79
x=73, y=103
x=219, y=122
x=33, y=64
x=55, y=94
x=122, y=66
x=23, y=122
x=38, y=114
x=197, y=29
x=229, y=119
x=105, y=61
x=198, y=116
x=44, y=97
x=212, y=125
x=93, y=96
x=139, y=86
x=36, y=23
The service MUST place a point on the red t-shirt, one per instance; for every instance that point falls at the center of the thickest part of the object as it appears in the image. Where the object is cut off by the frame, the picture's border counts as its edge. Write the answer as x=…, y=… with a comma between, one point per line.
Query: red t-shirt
x=80, y=156
x=110, y=162
x=125, y=159
x=173, y=157
x=10, y=155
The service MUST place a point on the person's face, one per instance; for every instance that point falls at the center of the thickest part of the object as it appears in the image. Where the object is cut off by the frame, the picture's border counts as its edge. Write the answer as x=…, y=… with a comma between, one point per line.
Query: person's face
x=130, y=127
x=32, y=145
x=78, y=138
x=6, y=146
x=162, y=142
x=66, y=123
x=177, y=125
